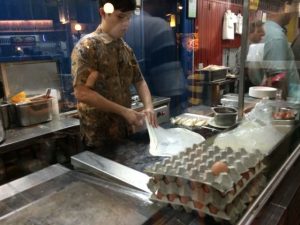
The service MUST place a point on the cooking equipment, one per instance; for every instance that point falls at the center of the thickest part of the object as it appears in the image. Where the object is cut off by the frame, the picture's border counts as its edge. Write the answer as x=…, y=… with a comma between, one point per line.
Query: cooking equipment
x=214, y=74
x=4, y=115
x=224, y=116
x=2, y=133
x=8, y=115
x=55, y=199
x=34, y=112
x=231, y=100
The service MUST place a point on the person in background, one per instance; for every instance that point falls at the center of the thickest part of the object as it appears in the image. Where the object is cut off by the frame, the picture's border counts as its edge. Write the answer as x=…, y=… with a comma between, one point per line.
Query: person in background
x=278, y=61
x=256, y=33
x=158, y=55
x=296, y=50
x=104, y=67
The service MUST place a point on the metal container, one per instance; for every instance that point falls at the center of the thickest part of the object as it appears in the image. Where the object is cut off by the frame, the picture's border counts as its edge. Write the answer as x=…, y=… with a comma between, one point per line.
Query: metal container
x=214, y=75
x=9, y=115
x=34, y=112
x=4, y=113
x=225, y=116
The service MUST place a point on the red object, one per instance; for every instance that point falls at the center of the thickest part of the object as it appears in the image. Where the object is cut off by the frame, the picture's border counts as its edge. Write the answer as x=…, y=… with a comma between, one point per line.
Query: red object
x=278, y=77
x=209, y=31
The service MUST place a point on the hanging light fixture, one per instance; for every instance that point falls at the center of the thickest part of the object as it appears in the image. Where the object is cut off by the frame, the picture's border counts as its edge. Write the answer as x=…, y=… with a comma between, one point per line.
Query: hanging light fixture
x=63, y=11
x=78, y=28
x=172, y=20
x=108, y=8
x=179, y=6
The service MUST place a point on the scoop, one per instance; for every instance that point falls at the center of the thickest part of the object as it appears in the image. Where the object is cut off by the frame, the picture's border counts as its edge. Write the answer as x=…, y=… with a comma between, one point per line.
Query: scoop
x=46, y=95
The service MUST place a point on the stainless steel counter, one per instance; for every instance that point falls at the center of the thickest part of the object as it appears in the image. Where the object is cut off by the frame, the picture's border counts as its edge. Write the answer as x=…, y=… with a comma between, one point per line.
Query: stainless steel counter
x=61, y=190
x=55, y=200
x=57, y=195
x=134, y=154
x=22, y=136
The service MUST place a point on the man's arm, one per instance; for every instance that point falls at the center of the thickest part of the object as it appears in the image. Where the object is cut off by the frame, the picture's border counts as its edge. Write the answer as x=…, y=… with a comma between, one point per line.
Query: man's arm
x=145, y=96
x=85, y=94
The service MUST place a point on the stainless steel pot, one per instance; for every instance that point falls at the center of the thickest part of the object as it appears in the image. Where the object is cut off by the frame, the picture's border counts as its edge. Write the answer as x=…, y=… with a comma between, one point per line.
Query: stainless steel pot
x=225, y=116
x=2, y=131
x=8, y=116
x=34, y=112
x=4, y=109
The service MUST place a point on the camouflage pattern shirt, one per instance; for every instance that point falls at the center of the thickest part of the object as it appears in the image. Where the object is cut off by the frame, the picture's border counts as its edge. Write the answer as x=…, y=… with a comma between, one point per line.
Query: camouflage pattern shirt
x=118, y=69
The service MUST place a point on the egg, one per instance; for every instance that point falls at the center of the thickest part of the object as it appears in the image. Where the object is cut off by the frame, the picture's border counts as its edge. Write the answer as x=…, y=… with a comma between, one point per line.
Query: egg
x=219, y=167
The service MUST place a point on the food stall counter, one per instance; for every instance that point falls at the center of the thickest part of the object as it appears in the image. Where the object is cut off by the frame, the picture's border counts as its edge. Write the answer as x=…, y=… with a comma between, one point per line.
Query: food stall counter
x=21, y=136
x=56, y=195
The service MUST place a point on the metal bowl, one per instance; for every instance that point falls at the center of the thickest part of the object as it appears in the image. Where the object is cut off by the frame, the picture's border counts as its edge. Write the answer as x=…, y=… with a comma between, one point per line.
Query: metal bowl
x=225, y=116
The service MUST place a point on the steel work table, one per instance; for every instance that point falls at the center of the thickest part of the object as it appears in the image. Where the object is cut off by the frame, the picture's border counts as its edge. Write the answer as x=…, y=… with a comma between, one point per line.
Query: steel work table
x=56, y=195
x=132, y=153
x=22, y=136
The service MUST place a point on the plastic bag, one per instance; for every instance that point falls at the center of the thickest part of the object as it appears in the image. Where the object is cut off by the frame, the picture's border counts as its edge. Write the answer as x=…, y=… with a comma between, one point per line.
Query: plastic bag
x=168, y=142
x=261, y=113
x=250, y=135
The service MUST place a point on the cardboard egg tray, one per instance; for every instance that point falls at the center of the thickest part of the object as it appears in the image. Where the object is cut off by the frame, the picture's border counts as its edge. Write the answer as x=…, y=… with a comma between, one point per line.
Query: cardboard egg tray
x=186, y=179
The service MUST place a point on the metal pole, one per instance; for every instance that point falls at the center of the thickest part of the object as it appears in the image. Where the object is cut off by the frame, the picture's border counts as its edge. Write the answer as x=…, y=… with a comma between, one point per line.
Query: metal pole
x=244, y=47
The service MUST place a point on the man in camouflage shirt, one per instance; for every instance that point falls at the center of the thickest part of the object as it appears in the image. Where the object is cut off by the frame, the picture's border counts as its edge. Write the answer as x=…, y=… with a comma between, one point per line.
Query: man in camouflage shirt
x=104, y=67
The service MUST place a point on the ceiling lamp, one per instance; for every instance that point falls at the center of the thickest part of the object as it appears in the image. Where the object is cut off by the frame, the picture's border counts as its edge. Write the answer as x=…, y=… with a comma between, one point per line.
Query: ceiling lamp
x=108, y=8
x=172, y=20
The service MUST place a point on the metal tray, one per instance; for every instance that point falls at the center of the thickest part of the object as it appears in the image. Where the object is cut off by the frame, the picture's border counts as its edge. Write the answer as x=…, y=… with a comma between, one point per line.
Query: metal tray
x=284, y=122
x=191, y=116
x=213, y=75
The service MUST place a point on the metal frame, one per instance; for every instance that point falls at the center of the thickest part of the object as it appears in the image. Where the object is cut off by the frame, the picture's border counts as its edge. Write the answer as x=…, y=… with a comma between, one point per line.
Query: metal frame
x=269, y=190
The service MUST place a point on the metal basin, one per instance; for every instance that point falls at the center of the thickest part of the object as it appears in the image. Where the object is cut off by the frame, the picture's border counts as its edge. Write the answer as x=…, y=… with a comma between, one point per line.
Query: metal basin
x=34, y=112
x=224, y=116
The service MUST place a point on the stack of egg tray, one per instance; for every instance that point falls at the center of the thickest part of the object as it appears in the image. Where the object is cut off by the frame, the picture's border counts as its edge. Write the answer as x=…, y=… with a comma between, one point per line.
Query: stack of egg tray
x=186, y=180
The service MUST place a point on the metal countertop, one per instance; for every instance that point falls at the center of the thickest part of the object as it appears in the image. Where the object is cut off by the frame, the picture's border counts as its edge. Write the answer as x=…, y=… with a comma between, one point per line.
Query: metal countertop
x=56, y=195
x=20, y=136
x=132, y=153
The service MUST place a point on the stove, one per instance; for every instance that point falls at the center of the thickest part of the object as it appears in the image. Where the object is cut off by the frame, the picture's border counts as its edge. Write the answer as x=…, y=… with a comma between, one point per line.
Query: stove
x=161, y=107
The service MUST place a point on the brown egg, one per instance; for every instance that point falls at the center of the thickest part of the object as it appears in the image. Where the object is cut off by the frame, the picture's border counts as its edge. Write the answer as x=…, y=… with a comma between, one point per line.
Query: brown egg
x=219, y=167
x=198, y=205
x=159, y=195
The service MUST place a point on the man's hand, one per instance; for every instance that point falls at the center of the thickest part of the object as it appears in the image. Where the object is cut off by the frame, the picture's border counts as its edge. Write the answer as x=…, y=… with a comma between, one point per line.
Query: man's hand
x=133, y=117
x=151, y=116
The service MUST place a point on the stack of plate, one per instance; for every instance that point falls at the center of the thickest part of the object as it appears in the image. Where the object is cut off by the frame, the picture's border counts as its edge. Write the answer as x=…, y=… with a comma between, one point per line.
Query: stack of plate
x=262, y=92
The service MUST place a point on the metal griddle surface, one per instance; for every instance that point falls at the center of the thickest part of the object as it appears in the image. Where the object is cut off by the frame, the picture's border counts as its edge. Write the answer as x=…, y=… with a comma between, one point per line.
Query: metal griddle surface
x=84, y=200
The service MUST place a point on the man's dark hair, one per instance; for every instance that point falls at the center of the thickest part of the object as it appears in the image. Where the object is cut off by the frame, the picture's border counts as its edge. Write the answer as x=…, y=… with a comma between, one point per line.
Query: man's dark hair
x=255, y=24
x=122, y=5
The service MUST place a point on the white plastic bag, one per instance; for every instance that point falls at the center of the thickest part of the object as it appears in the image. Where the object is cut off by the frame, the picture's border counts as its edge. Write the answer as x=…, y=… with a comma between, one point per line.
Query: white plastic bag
x=261, y=113
x=251, y=136
x=168, y=142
